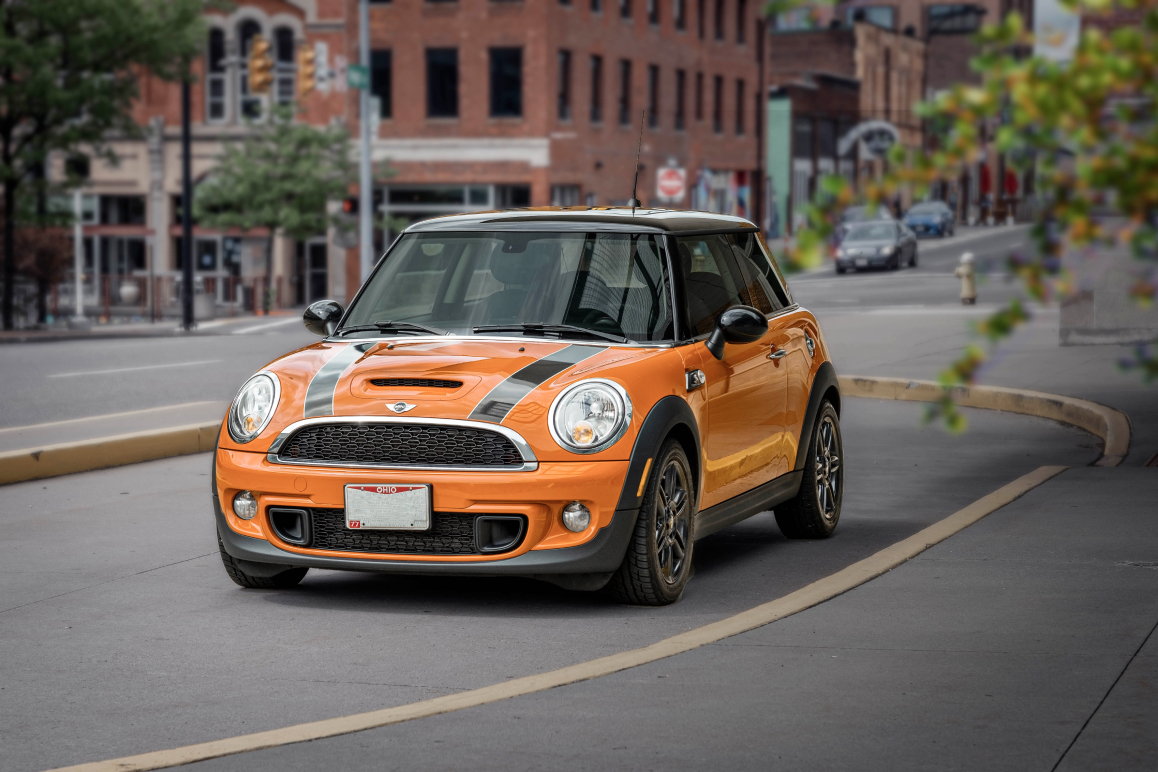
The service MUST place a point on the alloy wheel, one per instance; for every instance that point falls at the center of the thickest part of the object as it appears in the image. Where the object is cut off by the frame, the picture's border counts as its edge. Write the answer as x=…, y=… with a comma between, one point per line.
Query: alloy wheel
x=829, y=473
x=672, y=522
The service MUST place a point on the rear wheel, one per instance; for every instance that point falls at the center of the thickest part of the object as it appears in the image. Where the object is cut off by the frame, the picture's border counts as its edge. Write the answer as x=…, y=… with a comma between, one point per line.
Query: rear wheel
x=659, y=557
x=815, y=511
x=281, y=580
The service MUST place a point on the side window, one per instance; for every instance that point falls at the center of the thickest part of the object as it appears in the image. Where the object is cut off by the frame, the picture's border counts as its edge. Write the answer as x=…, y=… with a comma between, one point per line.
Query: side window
x=767, y=287
x=713, y=282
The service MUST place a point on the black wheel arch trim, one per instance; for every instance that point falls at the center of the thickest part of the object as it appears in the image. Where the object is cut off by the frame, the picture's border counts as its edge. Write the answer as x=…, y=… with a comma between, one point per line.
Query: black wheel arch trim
x=665, y=416
x=822, y=383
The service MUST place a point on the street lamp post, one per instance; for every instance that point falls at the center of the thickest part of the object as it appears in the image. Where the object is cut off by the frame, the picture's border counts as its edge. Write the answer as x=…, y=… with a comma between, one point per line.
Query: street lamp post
x=186, y=209
x=78, y=254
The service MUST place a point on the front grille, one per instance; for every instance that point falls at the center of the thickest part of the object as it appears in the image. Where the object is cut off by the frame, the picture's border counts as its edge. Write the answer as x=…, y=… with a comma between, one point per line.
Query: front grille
x=400, y=445
x=422, y=383
x=451, y=533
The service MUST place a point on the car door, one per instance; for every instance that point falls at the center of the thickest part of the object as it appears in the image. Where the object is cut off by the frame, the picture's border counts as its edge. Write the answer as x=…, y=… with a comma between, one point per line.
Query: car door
x=744, y=392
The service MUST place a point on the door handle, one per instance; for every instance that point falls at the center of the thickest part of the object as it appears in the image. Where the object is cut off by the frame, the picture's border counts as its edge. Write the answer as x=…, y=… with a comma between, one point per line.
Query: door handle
x=778, y=354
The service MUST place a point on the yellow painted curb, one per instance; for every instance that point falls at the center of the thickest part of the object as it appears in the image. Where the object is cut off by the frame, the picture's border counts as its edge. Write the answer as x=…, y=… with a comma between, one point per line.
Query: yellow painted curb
x=70, y=457
x=806, y=597
x=1110, y=425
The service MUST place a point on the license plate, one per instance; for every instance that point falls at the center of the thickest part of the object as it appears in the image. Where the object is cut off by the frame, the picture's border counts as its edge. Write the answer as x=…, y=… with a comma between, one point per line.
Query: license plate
x=388, y=507
x=861, y=262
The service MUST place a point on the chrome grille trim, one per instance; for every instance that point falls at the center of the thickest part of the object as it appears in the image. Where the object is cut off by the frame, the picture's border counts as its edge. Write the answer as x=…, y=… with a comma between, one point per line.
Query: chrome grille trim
x=530, y=462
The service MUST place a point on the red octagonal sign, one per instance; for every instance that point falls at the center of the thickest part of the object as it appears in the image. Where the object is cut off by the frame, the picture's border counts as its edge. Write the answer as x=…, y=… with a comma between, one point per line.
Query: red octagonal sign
x=671, y=183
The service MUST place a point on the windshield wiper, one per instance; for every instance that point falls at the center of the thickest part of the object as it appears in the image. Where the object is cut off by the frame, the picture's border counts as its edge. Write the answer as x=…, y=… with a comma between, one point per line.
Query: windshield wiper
x=559, y=328
x=388, y=326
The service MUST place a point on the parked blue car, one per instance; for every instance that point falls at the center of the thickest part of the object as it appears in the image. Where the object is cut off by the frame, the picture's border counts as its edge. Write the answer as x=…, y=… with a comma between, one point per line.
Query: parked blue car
x=931, y=218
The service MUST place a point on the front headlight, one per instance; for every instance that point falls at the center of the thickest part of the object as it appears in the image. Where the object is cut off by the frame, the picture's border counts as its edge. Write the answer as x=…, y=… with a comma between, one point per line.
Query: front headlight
x=589, y=416
x=840, y=252
x=253, y=407
x=886, y=251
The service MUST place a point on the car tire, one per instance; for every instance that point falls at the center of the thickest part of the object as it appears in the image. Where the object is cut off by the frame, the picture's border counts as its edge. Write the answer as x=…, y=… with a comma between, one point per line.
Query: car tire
x=895, y=263
x=815, y=510
x=280, y=581
x=653, y=573
x=913, y=259
x=840, y=269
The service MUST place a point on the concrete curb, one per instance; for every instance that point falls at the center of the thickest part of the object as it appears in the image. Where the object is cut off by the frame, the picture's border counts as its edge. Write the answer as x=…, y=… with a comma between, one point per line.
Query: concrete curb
x=1110, y=425
x=132, y=448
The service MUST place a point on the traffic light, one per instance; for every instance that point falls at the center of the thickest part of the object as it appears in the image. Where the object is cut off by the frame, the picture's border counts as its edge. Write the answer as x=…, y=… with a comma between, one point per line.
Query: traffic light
x=307, y=71
x=260, y=65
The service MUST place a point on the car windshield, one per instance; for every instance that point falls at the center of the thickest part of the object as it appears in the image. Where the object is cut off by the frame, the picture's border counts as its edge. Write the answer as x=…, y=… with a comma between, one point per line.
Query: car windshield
x=613, y=284
x=872, y=232
x=853, y=214
x=930, y=208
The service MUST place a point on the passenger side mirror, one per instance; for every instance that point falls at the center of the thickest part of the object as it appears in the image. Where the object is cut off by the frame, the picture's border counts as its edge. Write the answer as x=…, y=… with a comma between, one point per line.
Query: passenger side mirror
x=322, y=317
x=739, y=324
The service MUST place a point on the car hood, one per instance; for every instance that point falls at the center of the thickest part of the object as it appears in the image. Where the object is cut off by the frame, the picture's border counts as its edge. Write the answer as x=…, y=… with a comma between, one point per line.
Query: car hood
x=511, y=381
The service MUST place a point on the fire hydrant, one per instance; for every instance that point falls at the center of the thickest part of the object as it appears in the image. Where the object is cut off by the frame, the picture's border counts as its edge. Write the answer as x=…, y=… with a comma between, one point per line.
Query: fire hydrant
x=966, y=273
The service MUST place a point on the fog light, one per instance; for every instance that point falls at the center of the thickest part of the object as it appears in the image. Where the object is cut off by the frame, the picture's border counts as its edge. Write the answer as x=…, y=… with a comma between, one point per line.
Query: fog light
x=576, y=517
x=245, y=505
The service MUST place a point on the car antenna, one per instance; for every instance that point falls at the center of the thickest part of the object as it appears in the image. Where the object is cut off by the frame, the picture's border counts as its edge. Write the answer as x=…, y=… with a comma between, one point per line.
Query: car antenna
x=634, y=202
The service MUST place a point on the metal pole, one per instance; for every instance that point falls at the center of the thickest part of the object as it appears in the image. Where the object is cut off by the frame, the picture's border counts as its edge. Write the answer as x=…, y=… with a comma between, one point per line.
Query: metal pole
x=186, y=210
x=365, y=184
x=78, y=252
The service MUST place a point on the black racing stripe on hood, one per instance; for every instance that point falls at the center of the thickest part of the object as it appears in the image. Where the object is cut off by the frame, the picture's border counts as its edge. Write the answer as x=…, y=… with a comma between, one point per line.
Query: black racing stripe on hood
x=320, y=392
x=495, y=406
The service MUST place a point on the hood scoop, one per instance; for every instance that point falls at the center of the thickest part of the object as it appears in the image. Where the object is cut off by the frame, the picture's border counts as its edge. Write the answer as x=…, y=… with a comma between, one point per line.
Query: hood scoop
x=415, y=383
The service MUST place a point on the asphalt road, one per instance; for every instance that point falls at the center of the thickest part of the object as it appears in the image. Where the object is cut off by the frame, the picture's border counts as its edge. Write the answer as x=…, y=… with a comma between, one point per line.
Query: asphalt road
x=120, y=633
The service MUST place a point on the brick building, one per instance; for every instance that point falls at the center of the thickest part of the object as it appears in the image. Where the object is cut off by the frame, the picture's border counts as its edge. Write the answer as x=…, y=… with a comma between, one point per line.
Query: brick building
x=492, y=103
x=480, y=104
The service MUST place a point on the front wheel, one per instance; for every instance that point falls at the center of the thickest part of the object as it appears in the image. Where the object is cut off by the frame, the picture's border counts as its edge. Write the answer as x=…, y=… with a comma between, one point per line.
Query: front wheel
x=659, y=557
x=815, y=511
x=913, y=259
x=271, y=580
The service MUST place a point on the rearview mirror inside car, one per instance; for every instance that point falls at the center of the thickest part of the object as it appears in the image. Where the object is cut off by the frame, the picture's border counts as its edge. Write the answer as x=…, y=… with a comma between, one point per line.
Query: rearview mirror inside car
x=739, y=324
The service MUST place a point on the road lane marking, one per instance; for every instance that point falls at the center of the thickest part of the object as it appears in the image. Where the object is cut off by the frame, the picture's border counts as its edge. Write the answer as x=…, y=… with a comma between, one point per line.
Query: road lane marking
x=110, y=415
x=134, y=369
x=266, y=326
x=813, y=594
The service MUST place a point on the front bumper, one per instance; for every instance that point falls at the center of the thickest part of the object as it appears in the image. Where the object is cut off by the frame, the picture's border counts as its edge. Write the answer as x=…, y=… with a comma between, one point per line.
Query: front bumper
x=547, y=547
x=853, y=263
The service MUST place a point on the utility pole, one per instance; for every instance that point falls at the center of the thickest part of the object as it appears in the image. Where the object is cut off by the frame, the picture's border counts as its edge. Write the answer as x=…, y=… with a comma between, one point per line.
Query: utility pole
x=186, y=209
x=365, y=184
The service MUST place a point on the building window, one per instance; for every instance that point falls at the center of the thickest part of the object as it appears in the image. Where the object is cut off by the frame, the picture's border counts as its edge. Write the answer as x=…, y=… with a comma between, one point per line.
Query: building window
x=382, y=80
x=625, y=9
x=681, y=88
x=700, y=18
x=624, y=92
x=596, y=6
x=953, y=18
x=564, y=85
x=442, y=82
x=883, y=16
x=653, y=12
x=741, y=20
x=719, y=19
x=597, y=89
x=653, y=96
x=718, y=104
x=511, y=196
x=564, y=2
x=564, y=195
x=283, y=66
x=250, y=104
x=215, y=77
x=506, y=82
x=590, y=199
x=739, y=106
x=699, y=96
x=679, y=14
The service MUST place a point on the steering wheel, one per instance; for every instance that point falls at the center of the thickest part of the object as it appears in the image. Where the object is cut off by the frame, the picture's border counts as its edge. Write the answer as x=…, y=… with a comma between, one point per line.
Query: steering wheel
x=595, y=319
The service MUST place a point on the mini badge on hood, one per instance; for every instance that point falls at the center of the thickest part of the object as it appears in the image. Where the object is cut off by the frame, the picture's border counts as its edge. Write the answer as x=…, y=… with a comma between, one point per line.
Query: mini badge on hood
x=401, y=407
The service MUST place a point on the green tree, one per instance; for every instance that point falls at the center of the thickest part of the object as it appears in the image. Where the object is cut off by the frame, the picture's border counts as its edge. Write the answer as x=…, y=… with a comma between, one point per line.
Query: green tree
x=1089, y=129
x=281, y=178
x=68, y=79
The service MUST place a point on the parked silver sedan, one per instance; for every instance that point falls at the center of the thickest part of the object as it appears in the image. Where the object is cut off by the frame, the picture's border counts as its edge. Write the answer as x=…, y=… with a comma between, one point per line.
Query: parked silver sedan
x=877, y=245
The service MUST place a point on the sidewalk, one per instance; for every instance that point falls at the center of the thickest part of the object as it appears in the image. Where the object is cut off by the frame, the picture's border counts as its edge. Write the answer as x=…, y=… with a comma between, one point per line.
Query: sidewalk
x=162, y=328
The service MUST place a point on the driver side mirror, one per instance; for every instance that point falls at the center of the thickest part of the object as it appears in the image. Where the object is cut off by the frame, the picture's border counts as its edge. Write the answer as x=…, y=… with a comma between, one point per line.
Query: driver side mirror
x=322, y=317
x=739, y=324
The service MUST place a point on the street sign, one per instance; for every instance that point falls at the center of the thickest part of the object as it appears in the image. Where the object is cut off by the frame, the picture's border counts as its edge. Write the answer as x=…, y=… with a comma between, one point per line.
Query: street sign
x=671, y=183
x=357, y=76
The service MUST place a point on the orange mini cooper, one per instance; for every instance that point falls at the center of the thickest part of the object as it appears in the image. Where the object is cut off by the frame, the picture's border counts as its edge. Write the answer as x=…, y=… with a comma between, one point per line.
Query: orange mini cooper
x=574, y=395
